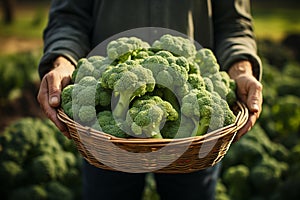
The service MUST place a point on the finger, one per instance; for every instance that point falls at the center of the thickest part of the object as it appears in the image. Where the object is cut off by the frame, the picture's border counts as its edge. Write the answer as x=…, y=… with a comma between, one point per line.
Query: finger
x=254, y=100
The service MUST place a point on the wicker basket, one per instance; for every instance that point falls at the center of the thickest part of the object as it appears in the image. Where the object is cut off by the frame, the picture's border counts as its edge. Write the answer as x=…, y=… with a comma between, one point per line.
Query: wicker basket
x=182, y=155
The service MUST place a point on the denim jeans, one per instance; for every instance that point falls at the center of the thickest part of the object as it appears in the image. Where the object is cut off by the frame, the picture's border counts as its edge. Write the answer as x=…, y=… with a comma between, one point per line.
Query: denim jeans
x=99, y=184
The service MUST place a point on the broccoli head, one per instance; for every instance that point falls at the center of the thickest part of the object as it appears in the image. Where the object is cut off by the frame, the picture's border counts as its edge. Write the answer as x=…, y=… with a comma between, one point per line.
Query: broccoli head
x=207, y=62
x=127, y=82
x=177, y=45
x=124, y=45
x=148, y=114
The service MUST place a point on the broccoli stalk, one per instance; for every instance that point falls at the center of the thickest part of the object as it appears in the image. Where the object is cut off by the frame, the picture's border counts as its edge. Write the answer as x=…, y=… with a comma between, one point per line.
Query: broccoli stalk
x=127, y=82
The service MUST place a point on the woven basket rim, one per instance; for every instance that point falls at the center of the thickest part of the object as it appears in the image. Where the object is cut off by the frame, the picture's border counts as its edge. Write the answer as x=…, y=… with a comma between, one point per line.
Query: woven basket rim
x=241, y=119
x=89, y=140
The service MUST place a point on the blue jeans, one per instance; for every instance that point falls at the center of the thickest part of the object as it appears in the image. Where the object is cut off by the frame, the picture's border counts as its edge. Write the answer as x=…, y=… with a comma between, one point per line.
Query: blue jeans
x=99, y=184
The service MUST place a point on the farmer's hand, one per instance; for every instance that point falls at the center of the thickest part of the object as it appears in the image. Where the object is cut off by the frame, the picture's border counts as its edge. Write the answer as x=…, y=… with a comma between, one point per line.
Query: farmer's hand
x=50, y=89
x=249, y=91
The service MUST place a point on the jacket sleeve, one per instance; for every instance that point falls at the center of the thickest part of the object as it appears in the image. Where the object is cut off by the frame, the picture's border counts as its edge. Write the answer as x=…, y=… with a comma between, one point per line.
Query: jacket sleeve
x=233, y=34
x=67, y=32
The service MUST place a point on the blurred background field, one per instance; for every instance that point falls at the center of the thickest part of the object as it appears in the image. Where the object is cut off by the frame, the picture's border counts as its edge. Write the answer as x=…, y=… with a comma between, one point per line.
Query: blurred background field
x=263, y=165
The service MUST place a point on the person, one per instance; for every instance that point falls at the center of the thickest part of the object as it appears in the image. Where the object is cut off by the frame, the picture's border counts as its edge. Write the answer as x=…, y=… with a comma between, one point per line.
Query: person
x=75, y=27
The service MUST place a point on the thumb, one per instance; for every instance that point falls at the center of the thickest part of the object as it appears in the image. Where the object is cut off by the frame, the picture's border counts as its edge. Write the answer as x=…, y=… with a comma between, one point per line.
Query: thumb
x=54, y=88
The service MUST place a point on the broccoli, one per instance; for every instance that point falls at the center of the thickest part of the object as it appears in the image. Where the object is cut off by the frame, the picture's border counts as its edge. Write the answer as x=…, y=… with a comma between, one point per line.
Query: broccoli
x=29, y=192
x=224, y=86
x=193, y=67
x=195, y=81
x=171, y=76
x=166, y=55
x=142, y=54
x=180, y=128
x=123, y=46
x=148, y=114
x=79, y=100
x=207, y=62
x=97, y=58
x=219, y=85
x=207, y=110
x=155, y=63
x=87, y=114
x=66, y=100
x=85, y=96
x=127, y=82
x=171, y=68
x=229, y=116
x=83, y=68
x=269, y=172
x=198, y=105
x=102, y=96
x=106, y=123
x=209, y=86
x=29, y=161
x=236, y=177
x=56, y=190
x=87, y=81
x=176, y=45
x=92, y=66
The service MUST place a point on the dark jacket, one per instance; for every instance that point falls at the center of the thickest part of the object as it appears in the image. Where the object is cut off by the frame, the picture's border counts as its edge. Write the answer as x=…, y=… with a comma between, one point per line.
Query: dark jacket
x=75, y=27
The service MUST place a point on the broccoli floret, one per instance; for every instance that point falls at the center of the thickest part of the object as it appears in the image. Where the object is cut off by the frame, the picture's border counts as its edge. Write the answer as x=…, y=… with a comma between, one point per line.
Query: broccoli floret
x=194, y=67
x=219, y=85
x=66, y=100
x=171, y=76
x=83, y=68
x=43, y=168
x=180, y=128
x=224, y=86
x=102, y=96
x=236, y=177
x=87, y=114
x=88, y=81
x=209, y=86
x=207, y=62
x=11, y=172
x=148, y=114
x=183, y=62
x=156, y=64
x=198, y=105
x=124, y=45
x=56, y=190
x=106, y=123
x=142, y=54
x=195, y=81
x=127, y=82
x=268, y=172
x=206, y=110
x=229, y=116
x=177, y=45
x=97, y=58
x=29, y=193
x=165, y=54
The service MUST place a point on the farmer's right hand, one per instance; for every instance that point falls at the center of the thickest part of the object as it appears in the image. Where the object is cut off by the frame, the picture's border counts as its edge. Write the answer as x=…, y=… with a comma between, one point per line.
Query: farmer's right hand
x=50, y=90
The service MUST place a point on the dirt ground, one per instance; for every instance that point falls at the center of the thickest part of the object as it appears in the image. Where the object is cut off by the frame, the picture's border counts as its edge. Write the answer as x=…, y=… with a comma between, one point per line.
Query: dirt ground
x=26, y=105
x=10, y=45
